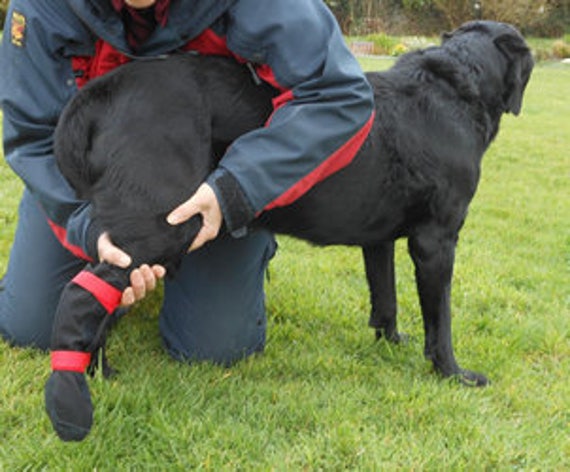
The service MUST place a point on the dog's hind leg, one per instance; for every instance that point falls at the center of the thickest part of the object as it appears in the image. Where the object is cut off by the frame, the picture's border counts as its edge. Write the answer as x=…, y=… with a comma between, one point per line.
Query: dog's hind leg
x=86, y=306
x=432, y=249
x=379, y=264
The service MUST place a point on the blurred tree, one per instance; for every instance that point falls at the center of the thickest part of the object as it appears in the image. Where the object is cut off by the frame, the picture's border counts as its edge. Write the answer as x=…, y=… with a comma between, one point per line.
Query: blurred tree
x=540, y=17
x=543, y=17
x=3, y=9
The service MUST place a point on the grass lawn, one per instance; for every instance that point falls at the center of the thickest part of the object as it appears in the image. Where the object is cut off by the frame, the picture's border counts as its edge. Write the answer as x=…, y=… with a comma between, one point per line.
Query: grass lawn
x=324, y=395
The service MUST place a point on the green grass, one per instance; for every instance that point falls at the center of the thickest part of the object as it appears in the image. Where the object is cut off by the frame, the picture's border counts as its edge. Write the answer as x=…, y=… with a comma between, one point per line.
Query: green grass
x=324, y=395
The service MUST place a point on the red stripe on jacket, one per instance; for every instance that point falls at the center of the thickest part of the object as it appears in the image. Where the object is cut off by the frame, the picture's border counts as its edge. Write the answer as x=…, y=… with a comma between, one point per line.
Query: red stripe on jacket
x=210, y=44
x=339, y=159
x=108, y=296
x=61, y=234
x=105, y=59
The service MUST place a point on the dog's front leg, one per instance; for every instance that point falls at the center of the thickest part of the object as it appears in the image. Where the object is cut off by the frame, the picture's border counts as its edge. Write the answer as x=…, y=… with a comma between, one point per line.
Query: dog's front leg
x=432, y=249
x=379, y=264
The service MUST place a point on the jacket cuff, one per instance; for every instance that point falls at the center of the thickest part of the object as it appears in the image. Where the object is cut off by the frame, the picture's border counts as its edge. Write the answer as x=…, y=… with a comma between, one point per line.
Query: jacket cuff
x=236, y=208
x=83, y=230
x=91, y=237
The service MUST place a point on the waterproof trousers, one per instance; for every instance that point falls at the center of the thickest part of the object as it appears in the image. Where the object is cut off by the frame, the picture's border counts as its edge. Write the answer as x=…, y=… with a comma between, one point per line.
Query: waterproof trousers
x=213, y=308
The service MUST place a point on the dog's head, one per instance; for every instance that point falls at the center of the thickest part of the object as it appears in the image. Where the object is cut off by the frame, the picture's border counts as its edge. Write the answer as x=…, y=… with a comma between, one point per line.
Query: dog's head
x=513, y=61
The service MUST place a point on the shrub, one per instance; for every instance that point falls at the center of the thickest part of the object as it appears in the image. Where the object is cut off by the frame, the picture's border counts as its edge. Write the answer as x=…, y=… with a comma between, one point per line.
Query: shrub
x=561, y=49
x=399, y=49
x=383, y=44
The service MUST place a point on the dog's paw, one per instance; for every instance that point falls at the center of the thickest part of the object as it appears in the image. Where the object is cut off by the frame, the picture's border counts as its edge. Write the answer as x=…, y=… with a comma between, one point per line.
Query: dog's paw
x=472, y=379
x=393, y=336
x=68, y=405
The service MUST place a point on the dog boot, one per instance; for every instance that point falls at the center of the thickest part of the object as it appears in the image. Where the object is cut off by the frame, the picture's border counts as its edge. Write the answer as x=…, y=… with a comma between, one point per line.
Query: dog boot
x=81, y=320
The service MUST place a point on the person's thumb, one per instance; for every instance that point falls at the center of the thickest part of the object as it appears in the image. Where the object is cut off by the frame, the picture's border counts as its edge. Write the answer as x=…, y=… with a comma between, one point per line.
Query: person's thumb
x=183, y=212
x=110, y=253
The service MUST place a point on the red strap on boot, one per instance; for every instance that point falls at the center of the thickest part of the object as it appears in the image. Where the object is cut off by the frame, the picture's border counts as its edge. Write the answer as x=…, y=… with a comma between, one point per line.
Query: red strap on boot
x=107, y=295
x=73, y=361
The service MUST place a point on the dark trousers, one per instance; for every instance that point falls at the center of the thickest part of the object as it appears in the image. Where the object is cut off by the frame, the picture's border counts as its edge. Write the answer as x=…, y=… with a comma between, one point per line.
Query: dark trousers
x=213, y=309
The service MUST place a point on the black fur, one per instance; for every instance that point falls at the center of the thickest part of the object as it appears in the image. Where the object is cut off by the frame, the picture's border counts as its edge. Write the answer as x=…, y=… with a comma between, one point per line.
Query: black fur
x=437, y=111
x=118, y=140
x=136, y=143
x=139, y=141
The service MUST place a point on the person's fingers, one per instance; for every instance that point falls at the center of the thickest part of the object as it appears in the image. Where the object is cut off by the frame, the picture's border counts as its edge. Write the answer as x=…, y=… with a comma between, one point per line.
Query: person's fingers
x=206, y=234
x=184, y=212
x=143, y=280
x=159, y=271
x=138, y=284
x=128, y=297
x=110, y=253
x=204, y=202
x=149, y=277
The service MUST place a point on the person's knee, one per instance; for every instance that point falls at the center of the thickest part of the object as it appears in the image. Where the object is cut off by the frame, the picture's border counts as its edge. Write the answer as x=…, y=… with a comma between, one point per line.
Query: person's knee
x=38, y=269
x=26, y=312
x=18, y=337
x=214, y=309
x=222, y=333
x=17, y=331
x=220, y=346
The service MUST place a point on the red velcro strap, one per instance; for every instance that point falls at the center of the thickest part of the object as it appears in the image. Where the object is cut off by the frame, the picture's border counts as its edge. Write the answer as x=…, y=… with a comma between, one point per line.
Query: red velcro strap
x=107, y=295
x=73, y=361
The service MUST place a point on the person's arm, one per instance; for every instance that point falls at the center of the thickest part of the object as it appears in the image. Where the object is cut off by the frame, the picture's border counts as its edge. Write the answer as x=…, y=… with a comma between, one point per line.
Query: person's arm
x=321, y=118
x=35, y=84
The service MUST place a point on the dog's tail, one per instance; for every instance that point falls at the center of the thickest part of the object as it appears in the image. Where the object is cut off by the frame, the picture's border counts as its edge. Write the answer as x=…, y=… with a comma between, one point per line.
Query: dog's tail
x=74, y=135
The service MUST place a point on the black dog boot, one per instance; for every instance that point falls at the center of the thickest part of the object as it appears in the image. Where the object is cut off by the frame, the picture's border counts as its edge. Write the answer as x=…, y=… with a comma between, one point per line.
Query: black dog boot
x=67, y=397
x=82, y=318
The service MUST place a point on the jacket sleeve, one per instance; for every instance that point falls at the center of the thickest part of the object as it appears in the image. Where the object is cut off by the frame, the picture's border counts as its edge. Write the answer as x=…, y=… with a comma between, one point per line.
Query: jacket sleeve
x=320, y=120
x=35, y=83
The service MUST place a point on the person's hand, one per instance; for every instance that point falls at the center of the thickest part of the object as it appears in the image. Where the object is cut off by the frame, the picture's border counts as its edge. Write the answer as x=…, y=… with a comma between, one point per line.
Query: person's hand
x=143, y=279
x=205, y=203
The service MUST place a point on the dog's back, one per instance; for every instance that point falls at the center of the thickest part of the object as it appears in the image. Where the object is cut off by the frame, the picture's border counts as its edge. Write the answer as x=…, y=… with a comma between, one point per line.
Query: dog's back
x=435, y=117
x=422, y=145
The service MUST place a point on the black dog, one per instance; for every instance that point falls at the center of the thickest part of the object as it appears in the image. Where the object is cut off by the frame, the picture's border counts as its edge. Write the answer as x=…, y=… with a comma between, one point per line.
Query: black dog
x=437, y=111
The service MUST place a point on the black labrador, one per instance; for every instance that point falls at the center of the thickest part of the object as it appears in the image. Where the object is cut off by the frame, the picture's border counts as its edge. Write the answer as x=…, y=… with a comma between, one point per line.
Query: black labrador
x=437, y=111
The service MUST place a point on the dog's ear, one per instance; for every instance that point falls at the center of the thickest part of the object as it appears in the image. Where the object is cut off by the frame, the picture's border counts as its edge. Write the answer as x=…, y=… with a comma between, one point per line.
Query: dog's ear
x=520, y=65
